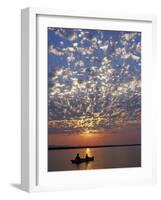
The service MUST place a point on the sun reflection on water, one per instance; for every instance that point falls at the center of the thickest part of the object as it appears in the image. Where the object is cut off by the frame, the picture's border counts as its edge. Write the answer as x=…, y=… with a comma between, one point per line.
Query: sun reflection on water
x=88, y=151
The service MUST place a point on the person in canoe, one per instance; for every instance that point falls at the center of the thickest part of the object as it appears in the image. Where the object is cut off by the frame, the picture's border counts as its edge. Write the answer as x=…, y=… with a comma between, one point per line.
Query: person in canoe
x=77, y=157
x=87, y=156
x=79, y=160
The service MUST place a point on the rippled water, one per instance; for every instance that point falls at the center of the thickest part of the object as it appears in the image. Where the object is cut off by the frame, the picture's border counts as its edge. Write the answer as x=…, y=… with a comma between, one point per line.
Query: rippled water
x=106, y=157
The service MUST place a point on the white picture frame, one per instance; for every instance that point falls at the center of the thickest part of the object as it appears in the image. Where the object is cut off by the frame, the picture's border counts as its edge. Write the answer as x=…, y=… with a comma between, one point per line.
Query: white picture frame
x=33, y=140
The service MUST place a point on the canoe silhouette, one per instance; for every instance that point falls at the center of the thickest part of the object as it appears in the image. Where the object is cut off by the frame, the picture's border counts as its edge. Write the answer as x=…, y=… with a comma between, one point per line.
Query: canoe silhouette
x=81, y=160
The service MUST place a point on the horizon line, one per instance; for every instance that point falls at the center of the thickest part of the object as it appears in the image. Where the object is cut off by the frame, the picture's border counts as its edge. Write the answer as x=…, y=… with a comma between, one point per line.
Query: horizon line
x=52, y=147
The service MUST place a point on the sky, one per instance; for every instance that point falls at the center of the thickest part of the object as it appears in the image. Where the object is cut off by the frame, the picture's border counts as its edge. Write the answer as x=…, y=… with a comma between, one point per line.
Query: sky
x=94, y=78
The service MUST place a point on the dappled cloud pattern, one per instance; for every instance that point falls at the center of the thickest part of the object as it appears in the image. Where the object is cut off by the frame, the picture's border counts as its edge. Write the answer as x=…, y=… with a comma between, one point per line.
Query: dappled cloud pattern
x=94, y=78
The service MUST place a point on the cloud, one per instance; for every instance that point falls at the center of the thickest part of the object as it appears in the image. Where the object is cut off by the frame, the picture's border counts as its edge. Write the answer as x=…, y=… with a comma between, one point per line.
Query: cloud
x=72, y=37
x=126, y=54
x=55, y=51
x=79, y=63
x=134, y=57
x=84, y=51
x=98, y=79
x=138, y=47
x=104, y=47
x=69, y=50
x=105, y=61
x=128, y=36
x=75, y=44
x=70, y=58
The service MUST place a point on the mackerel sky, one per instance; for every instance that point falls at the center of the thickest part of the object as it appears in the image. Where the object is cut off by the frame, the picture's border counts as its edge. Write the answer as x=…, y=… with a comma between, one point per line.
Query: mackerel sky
x=94, y=75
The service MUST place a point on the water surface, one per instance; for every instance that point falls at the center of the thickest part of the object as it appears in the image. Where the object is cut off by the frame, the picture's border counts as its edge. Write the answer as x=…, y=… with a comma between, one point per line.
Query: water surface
x=106, y=157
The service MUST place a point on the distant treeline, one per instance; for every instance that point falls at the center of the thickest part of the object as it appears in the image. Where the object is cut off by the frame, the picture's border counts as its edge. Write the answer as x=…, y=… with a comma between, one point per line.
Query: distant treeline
x=52, y=147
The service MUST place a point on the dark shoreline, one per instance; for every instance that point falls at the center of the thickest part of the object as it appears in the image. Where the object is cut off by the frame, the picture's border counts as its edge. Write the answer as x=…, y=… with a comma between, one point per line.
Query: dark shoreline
x=96, y=146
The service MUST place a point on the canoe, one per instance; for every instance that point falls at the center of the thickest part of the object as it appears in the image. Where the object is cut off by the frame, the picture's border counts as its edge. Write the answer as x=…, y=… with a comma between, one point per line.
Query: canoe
x=81, y=160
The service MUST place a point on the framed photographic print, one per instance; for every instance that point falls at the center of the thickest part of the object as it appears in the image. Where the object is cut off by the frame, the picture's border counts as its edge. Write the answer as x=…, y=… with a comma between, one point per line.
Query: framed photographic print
x=86, y=99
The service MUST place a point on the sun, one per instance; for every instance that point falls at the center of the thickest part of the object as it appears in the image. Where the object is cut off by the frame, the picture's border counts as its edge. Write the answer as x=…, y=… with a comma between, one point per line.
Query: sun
x=88, y=132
